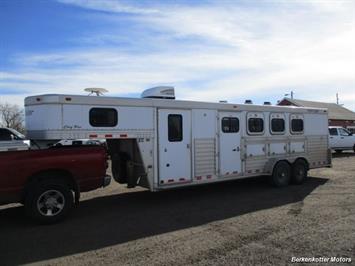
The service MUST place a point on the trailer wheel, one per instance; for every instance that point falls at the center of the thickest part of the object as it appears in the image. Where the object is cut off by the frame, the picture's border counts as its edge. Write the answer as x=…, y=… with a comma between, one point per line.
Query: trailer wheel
x=299, y=172
x=49, y=201
x=281, y=174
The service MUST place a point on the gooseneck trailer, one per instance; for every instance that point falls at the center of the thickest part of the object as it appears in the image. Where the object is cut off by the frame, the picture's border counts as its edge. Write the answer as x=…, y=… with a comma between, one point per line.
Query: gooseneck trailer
x=160, y=143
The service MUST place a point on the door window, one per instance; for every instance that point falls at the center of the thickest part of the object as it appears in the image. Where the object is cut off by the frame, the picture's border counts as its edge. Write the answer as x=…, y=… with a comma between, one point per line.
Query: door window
x=175, y=127
x=343, y=132
x=230, y=124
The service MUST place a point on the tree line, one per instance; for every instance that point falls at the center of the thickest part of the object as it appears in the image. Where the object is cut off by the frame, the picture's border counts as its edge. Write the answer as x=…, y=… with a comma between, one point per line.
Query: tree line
x=12, y=116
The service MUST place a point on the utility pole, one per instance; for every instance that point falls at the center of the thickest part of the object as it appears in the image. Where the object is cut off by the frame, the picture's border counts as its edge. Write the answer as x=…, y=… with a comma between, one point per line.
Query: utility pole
x=337, y=98
x=290, y=94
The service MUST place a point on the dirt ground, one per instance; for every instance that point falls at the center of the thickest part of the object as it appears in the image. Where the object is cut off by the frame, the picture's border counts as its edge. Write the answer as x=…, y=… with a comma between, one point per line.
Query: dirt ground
x=241, y=222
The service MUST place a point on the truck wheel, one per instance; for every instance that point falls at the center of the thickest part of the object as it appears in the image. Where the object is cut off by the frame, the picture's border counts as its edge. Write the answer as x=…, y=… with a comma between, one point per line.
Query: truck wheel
x=299, y=172
x=49, y=201
x=281, y=174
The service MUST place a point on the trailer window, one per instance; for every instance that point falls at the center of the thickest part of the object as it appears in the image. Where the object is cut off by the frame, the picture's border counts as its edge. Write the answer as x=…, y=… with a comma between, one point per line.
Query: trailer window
x=277, y=125
x=230, y=124
x=103, y=117
x=174, y=127
x=296, y=125
x=255, y=125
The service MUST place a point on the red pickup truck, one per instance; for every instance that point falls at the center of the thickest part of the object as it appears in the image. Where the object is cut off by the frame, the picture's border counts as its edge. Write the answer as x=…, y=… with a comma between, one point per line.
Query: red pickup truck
x=49, y=181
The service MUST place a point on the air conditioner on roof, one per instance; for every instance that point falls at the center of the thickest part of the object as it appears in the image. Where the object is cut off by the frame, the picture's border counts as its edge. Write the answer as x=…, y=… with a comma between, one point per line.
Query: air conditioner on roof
x=161, y=92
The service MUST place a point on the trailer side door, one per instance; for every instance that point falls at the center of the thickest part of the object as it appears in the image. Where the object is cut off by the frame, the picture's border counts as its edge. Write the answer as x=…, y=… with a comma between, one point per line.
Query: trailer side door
x=229, y=143
x=174, y=141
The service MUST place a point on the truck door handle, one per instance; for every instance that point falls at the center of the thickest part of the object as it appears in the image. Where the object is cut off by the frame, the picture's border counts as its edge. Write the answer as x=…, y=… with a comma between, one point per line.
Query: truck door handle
x=236, y=149
x=188, y=146
x=342, y=137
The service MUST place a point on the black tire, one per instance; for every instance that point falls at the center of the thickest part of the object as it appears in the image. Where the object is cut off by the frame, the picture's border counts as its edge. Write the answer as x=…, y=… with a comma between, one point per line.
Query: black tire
x=49, y=201
x=299, y=172
x=338, y=151
x=281, y=175
x=354, y=148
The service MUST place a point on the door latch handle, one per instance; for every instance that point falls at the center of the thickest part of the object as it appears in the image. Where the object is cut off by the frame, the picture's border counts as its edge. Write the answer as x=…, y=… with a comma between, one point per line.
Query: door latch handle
x=188, y=146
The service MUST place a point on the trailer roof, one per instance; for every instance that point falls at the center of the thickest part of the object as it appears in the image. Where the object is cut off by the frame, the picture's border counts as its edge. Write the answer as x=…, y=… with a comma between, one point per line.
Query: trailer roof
x=163, y=103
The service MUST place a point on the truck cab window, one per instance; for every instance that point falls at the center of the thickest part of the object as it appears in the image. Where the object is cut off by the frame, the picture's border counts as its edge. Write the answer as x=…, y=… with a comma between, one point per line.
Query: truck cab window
x=230, y=124
x=255, y=125
x=174, y=127
x=277, y=125
x=297, y=125
x=103, y=117
x=333, y=131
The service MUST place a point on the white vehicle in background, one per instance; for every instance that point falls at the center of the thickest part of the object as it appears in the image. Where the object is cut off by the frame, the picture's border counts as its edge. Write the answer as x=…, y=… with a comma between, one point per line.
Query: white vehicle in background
x=341, y=139
x=77, y=142
x=12, y=140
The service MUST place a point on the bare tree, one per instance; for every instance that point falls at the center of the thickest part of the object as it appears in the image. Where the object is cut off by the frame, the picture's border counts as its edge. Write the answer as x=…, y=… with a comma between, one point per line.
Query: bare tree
x=11, y=115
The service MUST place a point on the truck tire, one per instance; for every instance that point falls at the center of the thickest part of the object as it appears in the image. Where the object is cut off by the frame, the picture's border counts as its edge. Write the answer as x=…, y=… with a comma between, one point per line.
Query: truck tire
x=49, y=201
x=299, y=172
x=281, y=174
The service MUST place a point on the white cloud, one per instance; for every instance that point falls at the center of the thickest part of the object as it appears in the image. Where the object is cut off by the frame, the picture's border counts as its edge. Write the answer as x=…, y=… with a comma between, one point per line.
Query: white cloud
x=238, y=52
x=109, y=6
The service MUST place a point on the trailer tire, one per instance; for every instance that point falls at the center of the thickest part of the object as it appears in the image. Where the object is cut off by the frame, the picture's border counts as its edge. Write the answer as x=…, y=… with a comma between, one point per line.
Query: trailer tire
x=49, y=201
x=299, y=172
x=281, y=174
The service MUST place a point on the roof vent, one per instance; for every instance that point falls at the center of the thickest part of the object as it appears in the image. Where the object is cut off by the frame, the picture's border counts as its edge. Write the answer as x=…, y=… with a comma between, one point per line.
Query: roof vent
x=267, y=103
x=97, y=91
x=161, y=92
x=248, y=102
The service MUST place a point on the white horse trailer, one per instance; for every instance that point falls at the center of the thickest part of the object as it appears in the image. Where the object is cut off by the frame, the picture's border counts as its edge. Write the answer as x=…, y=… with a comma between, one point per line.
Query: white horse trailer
x=159, y=142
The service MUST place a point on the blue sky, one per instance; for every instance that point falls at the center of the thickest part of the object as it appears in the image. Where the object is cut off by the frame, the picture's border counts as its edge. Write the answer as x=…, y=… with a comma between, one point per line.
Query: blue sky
x=208, y=50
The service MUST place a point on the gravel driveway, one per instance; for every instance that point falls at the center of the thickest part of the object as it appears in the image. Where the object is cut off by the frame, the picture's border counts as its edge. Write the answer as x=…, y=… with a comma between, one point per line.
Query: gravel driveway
x=240, y=222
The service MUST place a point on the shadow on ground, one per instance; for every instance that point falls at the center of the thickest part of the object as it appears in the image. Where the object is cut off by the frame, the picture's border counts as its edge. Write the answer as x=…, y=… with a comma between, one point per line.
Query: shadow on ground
x=114, y=219
x=343, y=154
